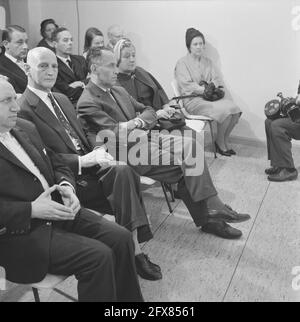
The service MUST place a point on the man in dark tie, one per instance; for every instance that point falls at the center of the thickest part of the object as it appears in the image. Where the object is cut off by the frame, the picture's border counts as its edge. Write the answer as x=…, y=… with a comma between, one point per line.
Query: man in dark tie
x=14, y=40
x=72, y=69
x=103, y=185
x=108, y=109
x=42, y=226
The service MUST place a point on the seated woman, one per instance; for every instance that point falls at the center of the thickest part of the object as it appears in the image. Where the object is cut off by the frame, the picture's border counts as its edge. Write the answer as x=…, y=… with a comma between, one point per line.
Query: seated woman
x=93, y=38
x=195, y=68
x=47, y=28
x=139, y=83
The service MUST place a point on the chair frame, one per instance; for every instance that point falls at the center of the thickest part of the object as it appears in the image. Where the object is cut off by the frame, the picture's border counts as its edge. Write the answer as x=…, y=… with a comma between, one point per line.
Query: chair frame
x=50, y=285
x=165, y=186
x=37, y=299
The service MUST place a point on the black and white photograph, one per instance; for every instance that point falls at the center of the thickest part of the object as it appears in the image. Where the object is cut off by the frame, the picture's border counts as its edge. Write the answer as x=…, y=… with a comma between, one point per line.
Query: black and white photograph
x=149, y=153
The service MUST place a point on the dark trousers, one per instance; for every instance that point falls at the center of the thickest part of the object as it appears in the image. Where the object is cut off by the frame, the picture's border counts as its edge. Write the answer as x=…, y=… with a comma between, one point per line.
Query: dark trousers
x=279, y=134
x=116, y=191
x=194, y=189
x=101, y=256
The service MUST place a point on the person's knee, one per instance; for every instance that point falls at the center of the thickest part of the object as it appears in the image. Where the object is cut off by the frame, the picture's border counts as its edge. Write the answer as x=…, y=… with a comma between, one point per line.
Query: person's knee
x=124, y=235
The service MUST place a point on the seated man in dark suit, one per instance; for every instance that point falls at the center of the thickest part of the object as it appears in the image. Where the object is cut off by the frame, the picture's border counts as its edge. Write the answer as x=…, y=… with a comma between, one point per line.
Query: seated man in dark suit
x=42, y=226
x=108, y=108
x=102, y=185
x=280, y=133
x=14, y=40
x=72, y=69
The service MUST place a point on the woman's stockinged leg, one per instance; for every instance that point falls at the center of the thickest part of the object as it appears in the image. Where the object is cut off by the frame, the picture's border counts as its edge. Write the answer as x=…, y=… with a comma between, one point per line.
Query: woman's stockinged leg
x=221, y=132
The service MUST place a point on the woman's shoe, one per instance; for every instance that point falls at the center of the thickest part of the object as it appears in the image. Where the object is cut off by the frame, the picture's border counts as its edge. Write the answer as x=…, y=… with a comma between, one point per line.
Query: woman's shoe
x=231, y=151
x=220, y=151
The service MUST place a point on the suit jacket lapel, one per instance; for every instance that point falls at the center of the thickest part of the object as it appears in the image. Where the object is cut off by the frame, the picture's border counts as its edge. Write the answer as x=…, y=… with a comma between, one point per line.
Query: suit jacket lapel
x=42, y=110
x=40, y=162
x=121, y=104
x=6, y=154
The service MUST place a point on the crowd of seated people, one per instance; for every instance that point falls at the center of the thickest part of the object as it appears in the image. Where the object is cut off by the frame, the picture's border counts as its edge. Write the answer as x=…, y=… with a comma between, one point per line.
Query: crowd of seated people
x=54, y=149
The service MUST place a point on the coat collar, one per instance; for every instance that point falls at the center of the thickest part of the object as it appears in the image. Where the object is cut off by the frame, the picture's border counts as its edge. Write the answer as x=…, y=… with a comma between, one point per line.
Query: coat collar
x=118, y=103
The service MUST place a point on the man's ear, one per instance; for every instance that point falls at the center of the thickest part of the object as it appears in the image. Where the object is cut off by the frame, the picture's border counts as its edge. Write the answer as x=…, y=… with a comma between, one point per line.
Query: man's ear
x=27, y=69
x=93, y=68
x=4, y=43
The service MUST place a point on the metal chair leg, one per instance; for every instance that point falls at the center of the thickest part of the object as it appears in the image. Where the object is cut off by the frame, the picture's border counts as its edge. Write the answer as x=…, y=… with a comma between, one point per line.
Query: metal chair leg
x=166, y=197
x=69, y=297
x=212, y=139
x=172, y=193
x=36, y=294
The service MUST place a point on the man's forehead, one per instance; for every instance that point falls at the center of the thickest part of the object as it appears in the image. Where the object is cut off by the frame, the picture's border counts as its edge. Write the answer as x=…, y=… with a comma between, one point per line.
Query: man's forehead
x=64, y=34
x=18, y=34
x=48, y=58
x=6, y=89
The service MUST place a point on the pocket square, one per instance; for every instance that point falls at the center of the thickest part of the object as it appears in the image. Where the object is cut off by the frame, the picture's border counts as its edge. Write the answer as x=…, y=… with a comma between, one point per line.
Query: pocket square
x=45, y=152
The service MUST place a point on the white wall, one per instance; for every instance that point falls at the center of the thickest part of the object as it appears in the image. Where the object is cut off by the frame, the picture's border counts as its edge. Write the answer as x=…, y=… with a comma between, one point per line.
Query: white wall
x=253, y=42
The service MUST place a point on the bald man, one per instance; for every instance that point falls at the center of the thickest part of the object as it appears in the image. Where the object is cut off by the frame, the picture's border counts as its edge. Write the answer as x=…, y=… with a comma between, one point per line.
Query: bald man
x=102, y=185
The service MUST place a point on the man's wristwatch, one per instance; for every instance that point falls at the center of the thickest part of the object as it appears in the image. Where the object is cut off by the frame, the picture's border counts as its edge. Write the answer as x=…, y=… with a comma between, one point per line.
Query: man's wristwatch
x=137, y=123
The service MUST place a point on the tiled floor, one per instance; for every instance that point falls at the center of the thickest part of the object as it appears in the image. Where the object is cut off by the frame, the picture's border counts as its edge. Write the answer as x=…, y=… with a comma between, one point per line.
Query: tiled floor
x=201, y=267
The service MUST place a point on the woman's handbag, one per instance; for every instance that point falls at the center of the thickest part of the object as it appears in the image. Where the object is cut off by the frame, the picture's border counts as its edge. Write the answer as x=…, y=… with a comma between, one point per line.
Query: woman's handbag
x=211, y=92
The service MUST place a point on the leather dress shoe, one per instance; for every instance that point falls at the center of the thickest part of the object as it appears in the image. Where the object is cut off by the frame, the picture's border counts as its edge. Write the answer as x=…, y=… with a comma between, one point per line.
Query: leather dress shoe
x=146, y=269
x=221, y=229
x=283, y=175
x=228, y=215
x=272, y=170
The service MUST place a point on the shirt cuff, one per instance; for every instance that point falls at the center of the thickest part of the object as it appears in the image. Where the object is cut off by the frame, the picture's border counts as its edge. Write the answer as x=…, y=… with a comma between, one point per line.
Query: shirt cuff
x=142, y=121
x=103, y=146
x=66, y=183
x=79, y=166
